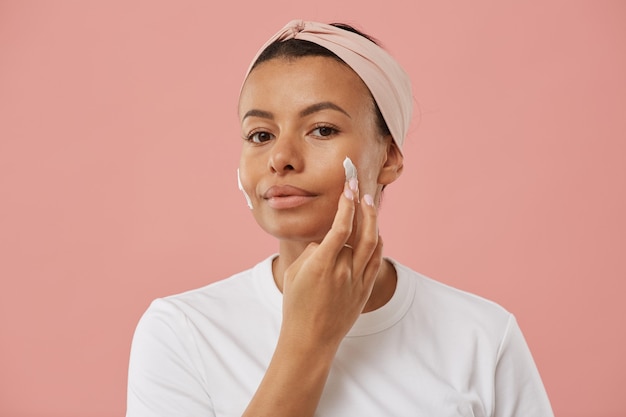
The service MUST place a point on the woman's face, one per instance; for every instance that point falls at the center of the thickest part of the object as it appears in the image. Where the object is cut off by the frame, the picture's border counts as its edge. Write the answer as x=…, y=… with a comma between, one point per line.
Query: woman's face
x=300, y=118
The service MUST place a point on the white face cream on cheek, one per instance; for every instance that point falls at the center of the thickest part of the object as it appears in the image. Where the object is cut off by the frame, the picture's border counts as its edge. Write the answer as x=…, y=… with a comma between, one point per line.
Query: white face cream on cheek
x=245, y=194
x=350, y=169
x=351, y=178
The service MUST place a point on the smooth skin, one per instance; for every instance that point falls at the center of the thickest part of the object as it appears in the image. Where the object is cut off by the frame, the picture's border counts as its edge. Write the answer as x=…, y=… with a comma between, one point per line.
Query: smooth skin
x=300, y=118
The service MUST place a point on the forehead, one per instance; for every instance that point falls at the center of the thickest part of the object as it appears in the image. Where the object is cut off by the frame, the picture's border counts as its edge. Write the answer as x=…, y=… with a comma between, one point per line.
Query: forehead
x=301, y=81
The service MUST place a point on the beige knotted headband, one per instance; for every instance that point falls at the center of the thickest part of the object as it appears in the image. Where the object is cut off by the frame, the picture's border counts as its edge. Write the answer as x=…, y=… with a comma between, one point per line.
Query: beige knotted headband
x=387, y=81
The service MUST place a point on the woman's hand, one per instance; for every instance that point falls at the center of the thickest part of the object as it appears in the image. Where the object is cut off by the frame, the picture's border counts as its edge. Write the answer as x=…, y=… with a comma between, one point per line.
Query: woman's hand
x=324, y=291
x=326, y=288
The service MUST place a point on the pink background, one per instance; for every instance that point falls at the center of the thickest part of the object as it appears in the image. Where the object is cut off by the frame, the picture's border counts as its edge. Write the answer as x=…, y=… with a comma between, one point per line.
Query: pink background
x=119, y=143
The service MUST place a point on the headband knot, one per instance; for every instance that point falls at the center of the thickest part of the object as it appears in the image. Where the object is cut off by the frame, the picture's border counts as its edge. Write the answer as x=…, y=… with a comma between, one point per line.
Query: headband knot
x=298, y=26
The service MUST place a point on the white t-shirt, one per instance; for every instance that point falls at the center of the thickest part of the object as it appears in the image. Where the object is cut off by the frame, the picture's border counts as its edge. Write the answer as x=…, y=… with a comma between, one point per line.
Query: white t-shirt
x=432, y=350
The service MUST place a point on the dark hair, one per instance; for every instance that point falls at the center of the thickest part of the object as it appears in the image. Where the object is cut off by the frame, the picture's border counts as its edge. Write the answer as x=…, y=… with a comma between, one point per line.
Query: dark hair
x=298, y=48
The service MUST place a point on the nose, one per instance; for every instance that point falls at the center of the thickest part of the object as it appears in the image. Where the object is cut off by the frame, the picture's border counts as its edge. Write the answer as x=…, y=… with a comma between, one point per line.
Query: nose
x=285, y=155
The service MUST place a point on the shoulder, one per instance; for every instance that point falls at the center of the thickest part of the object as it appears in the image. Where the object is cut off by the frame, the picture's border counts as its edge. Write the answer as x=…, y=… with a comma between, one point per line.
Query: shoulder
x=438, y=294
x=476, y=338
x=220, y=298
x=453, y=310
x=241, y=286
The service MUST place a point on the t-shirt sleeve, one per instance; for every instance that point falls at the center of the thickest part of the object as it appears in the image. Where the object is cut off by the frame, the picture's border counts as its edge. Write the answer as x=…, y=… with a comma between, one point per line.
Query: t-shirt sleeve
x=519, y=391
x=163, y=376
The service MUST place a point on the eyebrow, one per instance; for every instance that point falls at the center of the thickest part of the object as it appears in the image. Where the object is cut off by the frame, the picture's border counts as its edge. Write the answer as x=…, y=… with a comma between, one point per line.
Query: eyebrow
x=324, y=105
x=258, y=113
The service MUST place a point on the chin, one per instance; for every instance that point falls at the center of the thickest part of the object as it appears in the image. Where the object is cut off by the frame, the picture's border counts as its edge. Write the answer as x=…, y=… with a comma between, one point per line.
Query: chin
x=297, y=233
x=309, y=225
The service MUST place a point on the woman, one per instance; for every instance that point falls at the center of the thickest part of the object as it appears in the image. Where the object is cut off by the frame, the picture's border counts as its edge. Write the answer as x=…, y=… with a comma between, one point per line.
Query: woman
x=327, y=326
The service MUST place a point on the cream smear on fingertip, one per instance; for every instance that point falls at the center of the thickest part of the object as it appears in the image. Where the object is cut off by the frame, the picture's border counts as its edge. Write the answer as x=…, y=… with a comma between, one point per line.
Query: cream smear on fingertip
x=245, y=194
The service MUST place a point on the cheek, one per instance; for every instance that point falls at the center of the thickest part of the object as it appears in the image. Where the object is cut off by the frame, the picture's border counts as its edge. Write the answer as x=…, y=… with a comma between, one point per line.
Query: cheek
x=248, y=164
x=329, y=168
x=242, y=188
x=368, y=171
x=368, y=183
x=246, y=176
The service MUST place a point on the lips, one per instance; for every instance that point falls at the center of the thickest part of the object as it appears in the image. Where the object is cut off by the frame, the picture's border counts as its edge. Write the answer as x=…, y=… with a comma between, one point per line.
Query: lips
x=287, y=196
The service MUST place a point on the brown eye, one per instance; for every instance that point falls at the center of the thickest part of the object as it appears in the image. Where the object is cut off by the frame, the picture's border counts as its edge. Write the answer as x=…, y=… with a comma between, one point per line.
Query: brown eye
x=324, y=131
x=260, y=137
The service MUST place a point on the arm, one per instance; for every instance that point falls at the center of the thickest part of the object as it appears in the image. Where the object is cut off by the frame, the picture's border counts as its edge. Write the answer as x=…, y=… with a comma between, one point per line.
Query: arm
x=163, y=377
x=519, y=391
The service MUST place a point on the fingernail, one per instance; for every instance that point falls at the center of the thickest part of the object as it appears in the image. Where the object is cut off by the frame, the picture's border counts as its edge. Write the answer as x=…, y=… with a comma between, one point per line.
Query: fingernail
x=369, y=200
x=354, y=184
x=348, y=193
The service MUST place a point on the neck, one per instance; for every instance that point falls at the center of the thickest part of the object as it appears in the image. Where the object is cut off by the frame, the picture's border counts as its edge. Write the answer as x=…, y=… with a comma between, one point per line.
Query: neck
x=383, y=289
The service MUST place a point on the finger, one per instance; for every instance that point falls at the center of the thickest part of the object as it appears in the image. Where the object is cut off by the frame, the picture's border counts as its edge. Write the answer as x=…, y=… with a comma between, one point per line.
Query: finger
x=373, y=265
x=353, y=184
x=343, y=264
x=366, y=235
x=292, y=269
x=341, y=228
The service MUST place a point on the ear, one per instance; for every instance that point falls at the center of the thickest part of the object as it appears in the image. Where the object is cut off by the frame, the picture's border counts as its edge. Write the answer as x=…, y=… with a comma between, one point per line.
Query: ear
x=393, y=164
